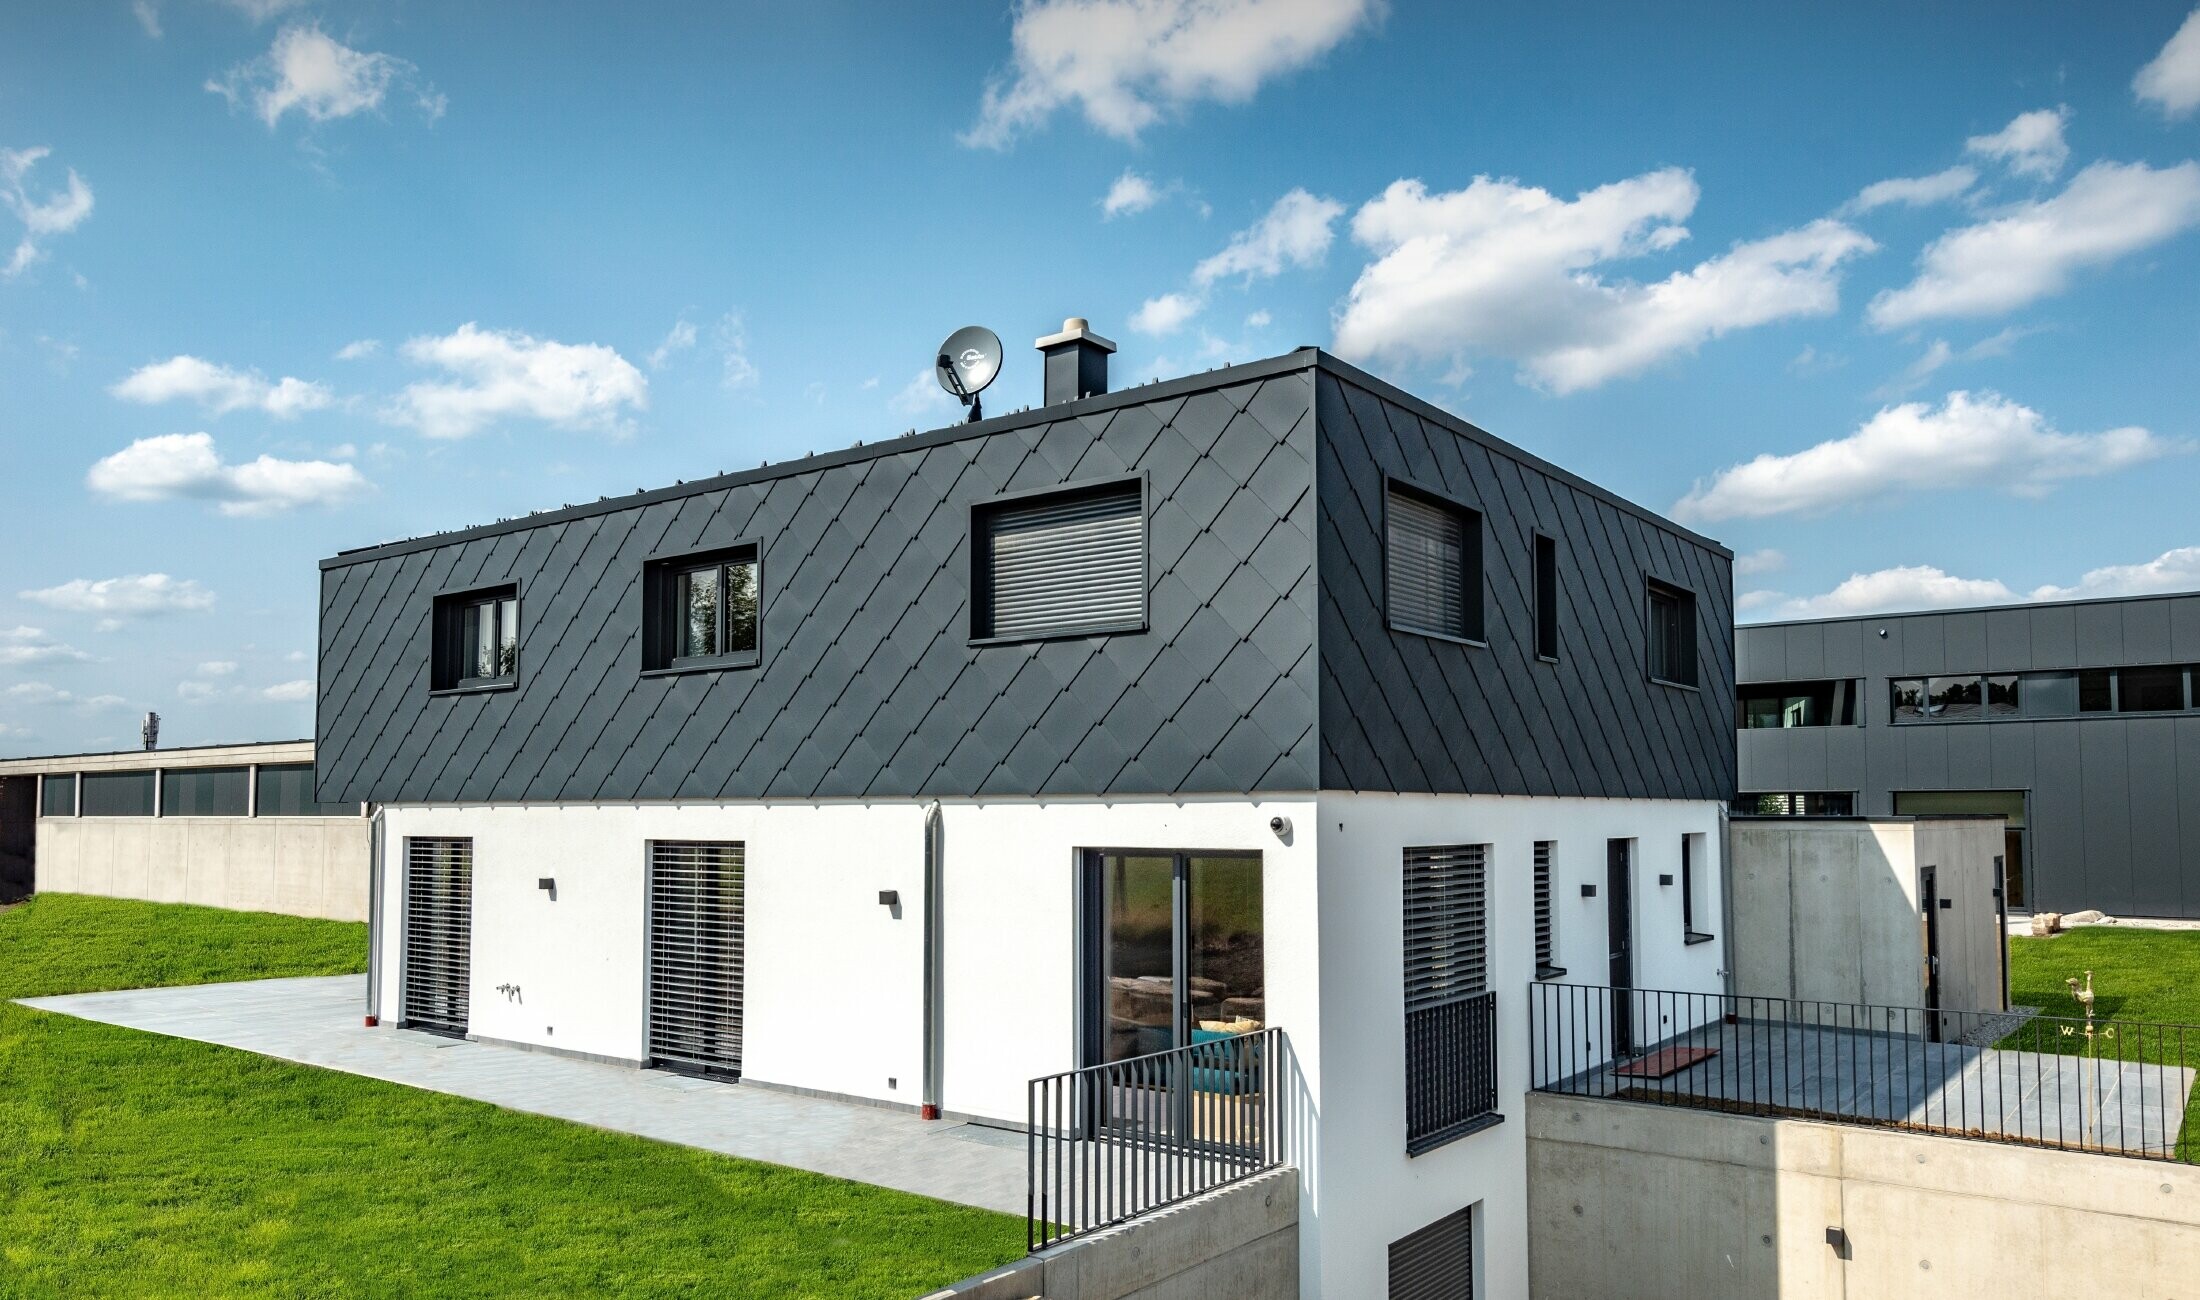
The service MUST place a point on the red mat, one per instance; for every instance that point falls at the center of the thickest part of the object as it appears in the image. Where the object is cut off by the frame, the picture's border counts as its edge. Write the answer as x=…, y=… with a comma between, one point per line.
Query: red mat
x=1665, y=1061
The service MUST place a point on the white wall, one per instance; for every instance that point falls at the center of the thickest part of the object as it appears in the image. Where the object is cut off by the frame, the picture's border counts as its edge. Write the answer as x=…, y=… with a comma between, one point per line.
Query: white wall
x=1366, y=1192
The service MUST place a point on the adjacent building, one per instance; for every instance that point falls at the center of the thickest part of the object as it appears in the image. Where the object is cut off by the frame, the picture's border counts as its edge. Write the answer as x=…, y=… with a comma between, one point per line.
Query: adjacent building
x=1268, y=699
x=2073, y=720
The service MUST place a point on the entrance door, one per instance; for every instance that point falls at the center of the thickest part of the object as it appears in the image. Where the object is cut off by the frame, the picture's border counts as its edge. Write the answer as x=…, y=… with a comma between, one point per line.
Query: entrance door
x=1928, y=894
x=439, y=918
x=1619, y=910
x=696, y=930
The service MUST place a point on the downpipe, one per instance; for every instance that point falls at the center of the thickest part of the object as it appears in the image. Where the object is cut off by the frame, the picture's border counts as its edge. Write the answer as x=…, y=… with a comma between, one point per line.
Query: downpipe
x=935, y=847
x=374, y=918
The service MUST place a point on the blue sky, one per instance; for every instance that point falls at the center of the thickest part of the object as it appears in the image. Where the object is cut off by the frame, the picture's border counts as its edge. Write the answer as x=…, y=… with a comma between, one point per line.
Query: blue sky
x=278, y=279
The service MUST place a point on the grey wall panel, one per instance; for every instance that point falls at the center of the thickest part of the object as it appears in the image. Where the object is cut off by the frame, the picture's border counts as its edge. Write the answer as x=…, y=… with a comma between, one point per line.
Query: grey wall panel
x=1765, y=764
x=1925, y=645
x=2104, y=787
x=2055, y=637
x=1844, y=650
x=2146, y=632
x=1882, y=654
x=1970, y=755
x=1808, y=768
x=2010, y=767
x=2152, y=810
x=1806, y=652
x=2184, y=628
x=2188, y=815
x=1926, y=761
x=2100, y=634
x=1407, y=712
x=2057, y=816
x=2009, y=641
x=1964, y=641
x=867, y=685
x=1846, y=748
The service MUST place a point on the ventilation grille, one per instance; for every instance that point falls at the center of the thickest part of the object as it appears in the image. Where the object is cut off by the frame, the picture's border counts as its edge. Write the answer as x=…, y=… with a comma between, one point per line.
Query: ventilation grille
x=1427, y=571
x=1063, y=565
x=1545, y=946
x=695, y=955
x=439, y=918
x=1436, y=1263
x=1445, y=954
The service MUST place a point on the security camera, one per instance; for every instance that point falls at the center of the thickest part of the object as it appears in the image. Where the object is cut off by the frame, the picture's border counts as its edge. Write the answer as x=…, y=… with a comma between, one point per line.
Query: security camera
x=1280, y=825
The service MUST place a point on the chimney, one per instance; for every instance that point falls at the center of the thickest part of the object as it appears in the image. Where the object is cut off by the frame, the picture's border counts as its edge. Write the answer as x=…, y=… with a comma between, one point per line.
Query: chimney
x=1076, y=362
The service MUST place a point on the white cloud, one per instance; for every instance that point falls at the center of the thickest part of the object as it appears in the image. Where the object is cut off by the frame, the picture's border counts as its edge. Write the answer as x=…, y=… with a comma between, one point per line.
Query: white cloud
x=41, y=693
x=501, y=374
x=2174, y=570
x=132, y=595
x=147, y=13
x=217, y=668
x=1939, y=353
x=57, y=214
x=922, y=397
x=220, y=389
x=358, y=349
x=21, y=646
x=259, y=11
x=2107, y=211
x=2171, y=82
x=174, y=466
x=1914, y=191
x=1918, y=586
x=731, y=337
x=1981, y=441
x=1165, y=314
x=1514, y=270
x=312, y=72
x=1757, y=562
x=2031, y=145
x=1294, y=232
x=1258, y=320
x=1128, y=63
x=1131, y=194
x=679, y=338
x=302, y=689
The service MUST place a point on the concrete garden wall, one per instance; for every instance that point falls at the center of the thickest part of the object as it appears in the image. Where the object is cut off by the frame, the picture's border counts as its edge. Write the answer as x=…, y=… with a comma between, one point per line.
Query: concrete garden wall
x=1633, y=1199
x=303, y=866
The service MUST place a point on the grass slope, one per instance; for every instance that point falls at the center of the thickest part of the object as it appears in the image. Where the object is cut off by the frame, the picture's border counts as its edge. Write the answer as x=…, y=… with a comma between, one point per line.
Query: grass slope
x=132, y=1164
x=2149, y=977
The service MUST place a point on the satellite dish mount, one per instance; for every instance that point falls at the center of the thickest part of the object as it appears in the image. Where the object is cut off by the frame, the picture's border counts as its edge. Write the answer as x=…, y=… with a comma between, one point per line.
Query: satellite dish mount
x=969, y=360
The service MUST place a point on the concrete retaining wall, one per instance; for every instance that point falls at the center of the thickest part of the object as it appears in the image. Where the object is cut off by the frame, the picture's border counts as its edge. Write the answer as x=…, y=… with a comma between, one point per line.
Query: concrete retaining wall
x=303, y=866
x=1633, y=1199
x=1239, y=1243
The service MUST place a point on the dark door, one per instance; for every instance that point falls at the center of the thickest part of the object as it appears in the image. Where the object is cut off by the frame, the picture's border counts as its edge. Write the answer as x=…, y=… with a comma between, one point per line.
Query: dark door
x=18, y=835
x=1619, y=908
x=1928, y=894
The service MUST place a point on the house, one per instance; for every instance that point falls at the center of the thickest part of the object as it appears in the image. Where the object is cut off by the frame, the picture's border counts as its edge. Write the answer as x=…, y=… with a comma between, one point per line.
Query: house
x=2073, y=720
x=1271, y=702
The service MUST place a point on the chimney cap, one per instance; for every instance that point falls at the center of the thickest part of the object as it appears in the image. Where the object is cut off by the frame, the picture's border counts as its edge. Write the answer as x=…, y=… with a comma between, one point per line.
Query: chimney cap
x=1076, y=329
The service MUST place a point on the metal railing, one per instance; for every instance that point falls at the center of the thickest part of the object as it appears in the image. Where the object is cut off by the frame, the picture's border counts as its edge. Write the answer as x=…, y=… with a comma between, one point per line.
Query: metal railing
x=2119, y=1087
x=1451, y=1070
x=1110, y=1142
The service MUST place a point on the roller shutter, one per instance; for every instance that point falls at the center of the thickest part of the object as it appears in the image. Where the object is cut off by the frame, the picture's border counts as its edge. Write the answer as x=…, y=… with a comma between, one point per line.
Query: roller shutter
x=439, y=916
x=1063, y=564
x=1436, y=1263
x=695, y=939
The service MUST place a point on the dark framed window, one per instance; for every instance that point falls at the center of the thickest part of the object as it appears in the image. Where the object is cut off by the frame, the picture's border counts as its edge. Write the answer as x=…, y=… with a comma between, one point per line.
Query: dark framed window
x=2003, y=695
x=2150, y=690
x=1546, y=921
x=476, y=640
x=702, y=610
x=1909, y=699
x=1953, y=699
x=1829, y=803
x=1451, y=1014
x=205, y=792
x=1059, y=562
x=1797, y=704
x=2096, y=690
x=1672, y=626
x=2046, y=695
x=118, y=794
x=1692, y=848
x=57, y=795
x=1546, y=596
x=1432, y=564
x=286, y=790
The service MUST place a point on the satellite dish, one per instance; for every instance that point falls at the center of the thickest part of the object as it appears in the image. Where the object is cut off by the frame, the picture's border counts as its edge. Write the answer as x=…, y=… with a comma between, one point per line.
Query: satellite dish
x=969, y=360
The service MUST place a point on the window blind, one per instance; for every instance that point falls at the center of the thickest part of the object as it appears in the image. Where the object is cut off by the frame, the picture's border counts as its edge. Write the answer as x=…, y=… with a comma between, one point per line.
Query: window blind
x=1430, y=573
x=1063, y=564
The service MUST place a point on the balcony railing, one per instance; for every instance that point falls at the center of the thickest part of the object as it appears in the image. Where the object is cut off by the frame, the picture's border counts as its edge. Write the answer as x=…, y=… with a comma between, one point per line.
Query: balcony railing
x=1451, y=1071
x=2119, y=1087
x=1114, y=1141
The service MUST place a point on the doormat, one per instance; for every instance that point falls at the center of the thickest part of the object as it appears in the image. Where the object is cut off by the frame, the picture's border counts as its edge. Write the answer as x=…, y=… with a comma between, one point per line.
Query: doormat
x=1665, y=1061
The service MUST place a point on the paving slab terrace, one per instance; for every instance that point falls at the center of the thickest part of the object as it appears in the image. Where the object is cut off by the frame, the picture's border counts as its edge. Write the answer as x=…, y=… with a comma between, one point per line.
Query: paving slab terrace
x=319, y=1021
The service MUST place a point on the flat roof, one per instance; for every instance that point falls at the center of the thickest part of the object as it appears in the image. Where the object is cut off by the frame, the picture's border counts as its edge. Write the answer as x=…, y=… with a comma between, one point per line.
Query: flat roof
x=1305, y=358
x=1968, y=609
x=115, y=760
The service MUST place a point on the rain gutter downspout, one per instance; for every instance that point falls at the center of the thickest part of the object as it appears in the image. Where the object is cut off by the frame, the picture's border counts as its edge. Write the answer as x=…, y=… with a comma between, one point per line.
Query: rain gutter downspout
x=374, y=918
x=934, y=893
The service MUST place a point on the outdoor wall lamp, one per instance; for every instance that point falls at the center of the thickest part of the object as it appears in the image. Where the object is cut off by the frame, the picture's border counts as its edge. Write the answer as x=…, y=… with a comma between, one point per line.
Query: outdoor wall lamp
x=548, y=885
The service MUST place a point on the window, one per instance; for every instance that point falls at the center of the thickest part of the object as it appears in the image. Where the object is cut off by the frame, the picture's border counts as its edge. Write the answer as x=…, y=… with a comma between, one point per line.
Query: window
x=1546, y=596
x=1546, y=924
x=1835, y=803
x=1432, y=565
x=476, y=640
x=2096, y=691
x=57, y=795
x=2001, y=695
x=1059, y=563
x=1797, y=704
x=2150, y=690
x=118, y=794
x=1952, y=699
x=1692, y=847
x=702, y=611
x=1435, y=1262
x=286, y=790
x=204, y=792
x=1909, y=699
x=2046, y=695
x=1672, y=635
x=1451, y=1017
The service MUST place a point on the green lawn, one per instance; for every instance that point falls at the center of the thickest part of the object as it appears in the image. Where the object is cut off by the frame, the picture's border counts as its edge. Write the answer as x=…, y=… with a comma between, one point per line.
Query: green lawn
x=2140, y=977
x=132, y=1164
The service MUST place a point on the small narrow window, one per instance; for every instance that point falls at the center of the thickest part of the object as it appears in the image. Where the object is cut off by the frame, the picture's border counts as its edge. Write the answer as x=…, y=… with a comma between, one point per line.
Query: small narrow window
x=1546, y=596
x=1691, y=849
x=1546, y=924
x=476, y=640
x=1067, y=563
x=702, y=611
x=57, y=795
x=1432, y=566
x=1672, y=635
